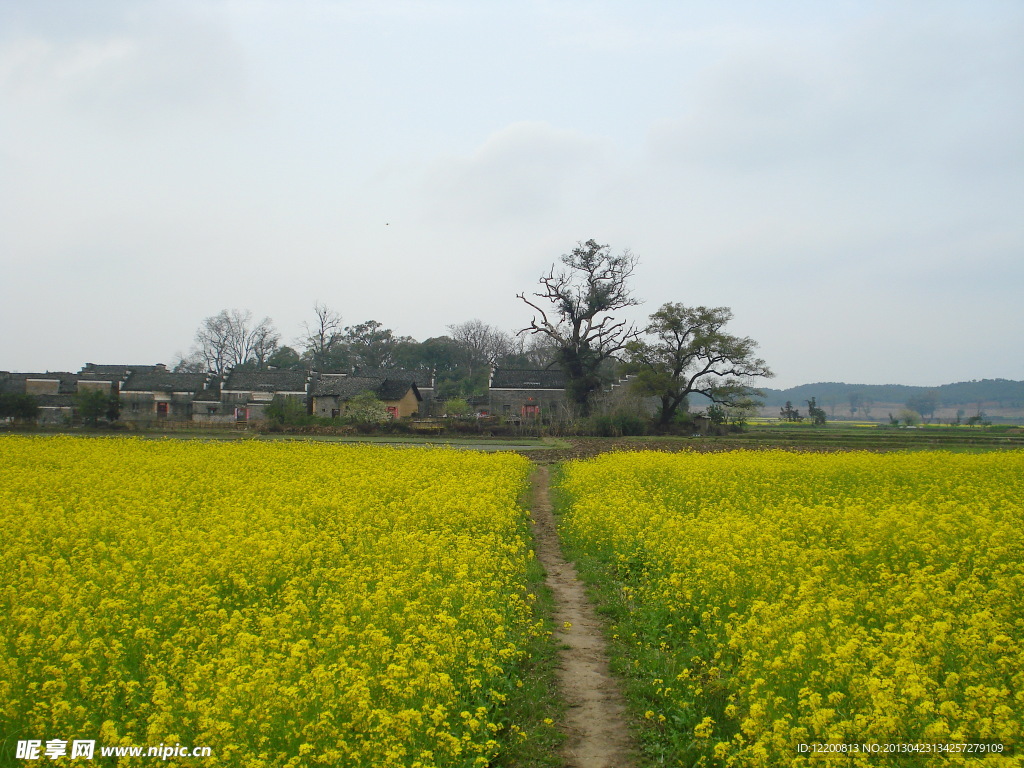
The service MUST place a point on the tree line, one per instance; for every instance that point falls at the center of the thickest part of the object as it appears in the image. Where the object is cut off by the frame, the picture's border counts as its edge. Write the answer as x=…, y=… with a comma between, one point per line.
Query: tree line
x=461, y=360
x=577, y=326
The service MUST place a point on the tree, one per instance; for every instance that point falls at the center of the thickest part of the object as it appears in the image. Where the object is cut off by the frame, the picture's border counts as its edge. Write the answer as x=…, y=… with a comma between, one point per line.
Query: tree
x=789, y=413
x=371, y=345
x=909, y=417
x=531, y=352
x=366, y=408
x=286, y=411
x=95, y=404
x=817, y=414
x=593, y=284
x=323, y=338
x=193, y=363
x=458, y=407
x=481, y=344
x=856, y=400
x=18, y=406
x=229, y=339
x=285, y=358
x=924, y=403
x=689, y=352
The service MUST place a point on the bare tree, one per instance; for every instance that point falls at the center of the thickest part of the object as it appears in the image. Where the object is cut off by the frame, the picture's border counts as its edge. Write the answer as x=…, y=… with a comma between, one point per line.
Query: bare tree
x=263, y=342
x=229, y=339
x=482, y=344
x=593, y=284
x=323, y=337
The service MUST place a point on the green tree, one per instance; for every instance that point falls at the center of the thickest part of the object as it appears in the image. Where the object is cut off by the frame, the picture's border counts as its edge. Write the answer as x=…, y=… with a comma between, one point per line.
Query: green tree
x=367, y=408
x=18, y=406
x=816, y=414
x=95, y=404
x=688, y=351
x=789, y=413
x=286, y=411
x=285, y=358
x=924, y=403
x=371, y=345
x=579, y=323
x=458, y=407
x=909, y=417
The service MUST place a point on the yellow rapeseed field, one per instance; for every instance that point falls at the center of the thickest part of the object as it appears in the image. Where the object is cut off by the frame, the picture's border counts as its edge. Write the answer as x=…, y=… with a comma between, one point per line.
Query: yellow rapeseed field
x=774, y=608
x=284, y=604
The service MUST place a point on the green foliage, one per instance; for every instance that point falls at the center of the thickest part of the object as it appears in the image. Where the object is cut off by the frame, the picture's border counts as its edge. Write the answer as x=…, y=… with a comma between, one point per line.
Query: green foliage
x=923, y=403
x=458, y=407
x=789, y=413
x=18, y=406
x=816, y=414
x=366, y=408
x=95, y=404
x=287, y=411
x=286, y=358
x=909, y=417
x=716, y=414
x=616, y=425
x=688, y=351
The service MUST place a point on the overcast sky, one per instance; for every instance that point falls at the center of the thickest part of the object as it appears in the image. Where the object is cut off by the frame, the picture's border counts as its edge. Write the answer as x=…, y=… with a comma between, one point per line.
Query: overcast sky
x=847, y=176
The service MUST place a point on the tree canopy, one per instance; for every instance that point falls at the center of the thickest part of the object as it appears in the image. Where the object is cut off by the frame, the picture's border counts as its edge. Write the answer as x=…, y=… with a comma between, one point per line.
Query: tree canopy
x=687, y=350
x=574, y=310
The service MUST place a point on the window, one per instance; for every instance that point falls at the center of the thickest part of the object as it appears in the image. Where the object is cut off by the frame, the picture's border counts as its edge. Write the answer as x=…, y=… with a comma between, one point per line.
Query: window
x=162, y=409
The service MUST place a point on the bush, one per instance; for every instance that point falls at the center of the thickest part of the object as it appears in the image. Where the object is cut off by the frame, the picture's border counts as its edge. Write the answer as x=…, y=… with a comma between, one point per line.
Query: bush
x=17, y=406
x=286, y=411
x=617, y=425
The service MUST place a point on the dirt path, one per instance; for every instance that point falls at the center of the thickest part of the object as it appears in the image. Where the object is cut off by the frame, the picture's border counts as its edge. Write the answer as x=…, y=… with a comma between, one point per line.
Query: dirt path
x=596, y=720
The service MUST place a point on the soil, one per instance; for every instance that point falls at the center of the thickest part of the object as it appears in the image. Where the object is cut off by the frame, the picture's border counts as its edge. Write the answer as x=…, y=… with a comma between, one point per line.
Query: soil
x=595, y=724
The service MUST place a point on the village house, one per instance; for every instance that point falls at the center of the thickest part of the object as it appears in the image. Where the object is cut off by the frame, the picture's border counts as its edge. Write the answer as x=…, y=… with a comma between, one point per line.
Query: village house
x=155, y=396
x=333, y=391
x=527, y=395
x=424, y=381
x=54, y=391
x=244, y=395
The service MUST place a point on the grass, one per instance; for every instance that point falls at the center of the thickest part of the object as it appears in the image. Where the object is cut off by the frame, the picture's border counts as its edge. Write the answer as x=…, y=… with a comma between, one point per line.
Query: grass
x=536, y=703
x=839, y=437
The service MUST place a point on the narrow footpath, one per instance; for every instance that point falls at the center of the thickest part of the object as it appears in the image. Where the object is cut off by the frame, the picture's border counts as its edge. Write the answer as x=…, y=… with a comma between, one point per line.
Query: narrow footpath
x=597, y=736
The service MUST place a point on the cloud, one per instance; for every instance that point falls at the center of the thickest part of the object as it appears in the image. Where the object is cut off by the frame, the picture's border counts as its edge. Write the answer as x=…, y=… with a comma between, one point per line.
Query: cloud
x=147, y=64
x=527, y=173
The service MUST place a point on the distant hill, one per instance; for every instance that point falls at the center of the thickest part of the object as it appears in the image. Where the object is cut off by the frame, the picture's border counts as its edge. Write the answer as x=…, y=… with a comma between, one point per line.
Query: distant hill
x=1000, y=393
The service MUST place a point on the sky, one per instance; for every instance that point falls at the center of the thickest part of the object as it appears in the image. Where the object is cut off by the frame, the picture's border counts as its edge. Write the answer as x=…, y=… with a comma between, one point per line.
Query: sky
x=847, y=177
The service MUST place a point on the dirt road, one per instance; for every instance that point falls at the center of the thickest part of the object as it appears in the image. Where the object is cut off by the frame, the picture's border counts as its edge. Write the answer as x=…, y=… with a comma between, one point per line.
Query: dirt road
x=596, y=719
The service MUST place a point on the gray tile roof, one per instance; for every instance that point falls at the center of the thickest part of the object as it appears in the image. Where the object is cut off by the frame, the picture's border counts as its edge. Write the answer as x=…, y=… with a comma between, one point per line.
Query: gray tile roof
x=15, y=382
x=164, y=381
x=422, y=379
x=266, y=381
x=523, y=378
x=121, y=371
x=347, y=387
x=211, y=395
x=396, y=389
